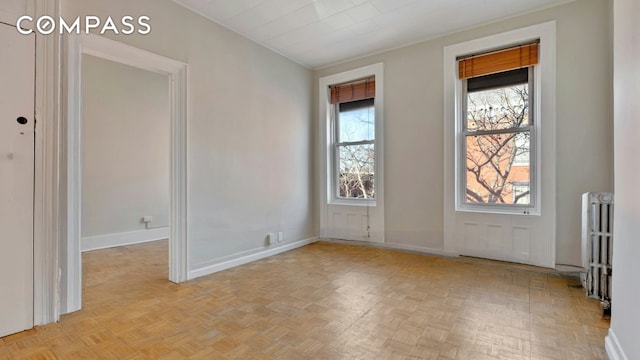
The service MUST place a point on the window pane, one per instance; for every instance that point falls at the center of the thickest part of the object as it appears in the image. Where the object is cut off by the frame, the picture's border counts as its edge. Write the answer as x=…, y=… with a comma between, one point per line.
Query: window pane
x=356, y=171
x=521, y=194
x=356, y=123
x=498, y=168
x=499, y=108
x=521, y=142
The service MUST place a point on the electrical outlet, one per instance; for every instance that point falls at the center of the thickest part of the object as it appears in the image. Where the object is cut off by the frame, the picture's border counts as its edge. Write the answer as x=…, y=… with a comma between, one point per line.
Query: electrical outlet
x=271, y=238
x=280, y=236
x=147, y=219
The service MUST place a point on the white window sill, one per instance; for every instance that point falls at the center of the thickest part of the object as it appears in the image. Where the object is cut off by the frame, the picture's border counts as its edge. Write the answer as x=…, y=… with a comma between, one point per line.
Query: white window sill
x=353, y=202
x=522, y=211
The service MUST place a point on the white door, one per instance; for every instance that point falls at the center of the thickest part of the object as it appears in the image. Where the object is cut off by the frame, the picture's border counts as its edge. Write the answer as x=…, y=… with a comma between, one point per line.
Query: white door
x=17, y=61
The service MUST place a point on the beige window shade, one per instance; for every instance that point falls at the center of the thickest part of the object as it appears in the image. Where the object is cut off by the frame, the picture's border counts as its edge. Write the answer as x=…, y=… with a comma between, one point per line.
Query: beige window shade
x=353, y=91
x=497, y=61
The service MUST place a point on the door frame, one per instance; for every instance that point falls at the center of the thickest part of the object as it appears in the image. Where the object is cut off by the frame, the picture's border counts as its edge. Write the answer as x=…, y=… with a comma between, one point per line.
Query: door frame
x=177, y=72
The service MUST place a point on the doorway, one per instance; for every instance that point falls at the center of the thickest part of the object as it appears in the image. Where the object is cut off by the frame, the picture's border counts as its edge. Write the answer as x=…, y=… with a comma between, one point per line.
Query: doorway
x=125, y=154
x=176, y=75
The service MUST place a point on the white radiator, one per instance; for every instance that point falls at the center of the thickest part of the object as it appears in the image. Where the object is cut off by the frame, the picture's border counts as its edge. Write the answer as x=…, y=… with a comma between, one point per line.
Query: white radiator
x=597, y=245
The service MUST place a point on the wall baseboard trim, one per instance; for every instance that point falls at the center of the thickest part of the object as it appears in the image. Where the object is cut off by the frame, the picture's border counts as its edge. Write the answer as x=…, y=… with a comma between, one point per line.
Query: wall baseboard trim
x=126, y=238
x=392, y=246
x=613, y=348
x=244, y=257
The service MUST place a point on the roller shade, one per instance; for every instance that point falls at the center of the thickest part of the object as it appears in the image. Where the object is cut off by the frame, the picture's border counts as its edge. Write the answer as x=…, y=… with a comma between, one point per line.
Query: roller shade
x=353, y=91
x=515, y=57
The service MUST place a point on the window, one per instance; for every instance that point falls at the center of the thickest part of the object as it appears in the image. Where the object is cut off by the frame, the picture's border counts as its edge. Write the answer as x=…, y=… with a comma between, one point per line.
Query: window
x=350, y=156
x=353, y=123
x=497, y=129
x=355, y=149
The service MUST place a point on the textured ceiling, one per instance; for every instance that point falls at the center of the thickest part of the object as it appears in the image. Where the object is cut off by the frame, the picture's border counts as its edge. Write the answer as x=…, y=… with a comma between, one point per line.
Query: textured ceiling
x=321, y=32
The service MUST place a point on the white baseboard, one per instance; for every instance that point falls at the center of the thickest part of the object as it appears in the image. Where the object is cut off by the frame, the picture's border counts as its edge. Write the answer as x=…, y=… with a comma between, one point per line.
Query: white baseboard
x=613, y=348
x=244, y=257
x=125, y=238
x=392, y=246
x=422, y=250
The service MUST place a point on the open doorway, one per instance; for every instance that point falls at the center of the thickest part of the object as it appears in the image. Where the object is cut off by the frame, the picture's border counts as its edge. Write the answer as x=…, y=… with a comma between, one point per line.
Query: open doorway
x=99, y=51
x=125, y=155
x=125, y=166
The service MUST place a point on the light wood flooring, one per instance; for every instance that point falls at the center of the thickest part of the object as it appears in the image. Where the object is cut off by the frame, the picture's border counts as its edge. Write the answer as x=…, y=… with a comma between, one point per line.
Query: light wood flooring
x=322, y=301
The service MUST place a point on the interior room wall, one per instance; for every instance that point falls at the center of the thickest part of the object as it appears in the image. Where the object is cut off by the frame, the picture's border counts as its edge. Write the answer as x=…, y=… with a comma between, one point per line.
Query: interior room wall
x=414, y=123
x=125, y=153
x=622, y=342
x=249, y=130
x=11, y=9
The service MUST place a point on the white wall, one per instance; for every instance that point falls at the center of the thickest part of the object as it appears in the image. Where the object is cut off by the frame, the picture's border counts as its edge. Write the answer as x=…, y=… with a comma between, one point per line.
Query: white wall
x=249, y=129
x=125, y=149
x=625, y=321
x=414, y=123
x=10, y=10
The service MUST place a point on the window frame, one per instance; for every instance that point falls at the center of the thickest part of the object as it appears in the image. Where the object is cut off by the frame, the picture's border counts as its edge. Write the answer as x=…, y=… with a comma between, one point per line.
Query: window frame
x=534, y=208
x=541, y=227
x=461, y=154
x=327, y=154
x=335, y=175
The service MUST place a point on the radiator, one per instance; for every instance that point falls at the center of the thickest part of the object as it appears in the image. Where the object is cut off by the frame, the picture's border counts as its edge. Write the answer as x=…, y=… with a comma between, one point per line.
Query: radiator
x=597, y=246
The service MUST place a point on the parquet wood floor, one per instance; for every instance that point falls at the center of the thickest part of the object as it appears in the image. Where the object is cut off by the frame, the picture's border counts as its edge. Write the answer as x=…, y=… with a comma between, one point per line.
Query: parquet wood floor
x=323, y=301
